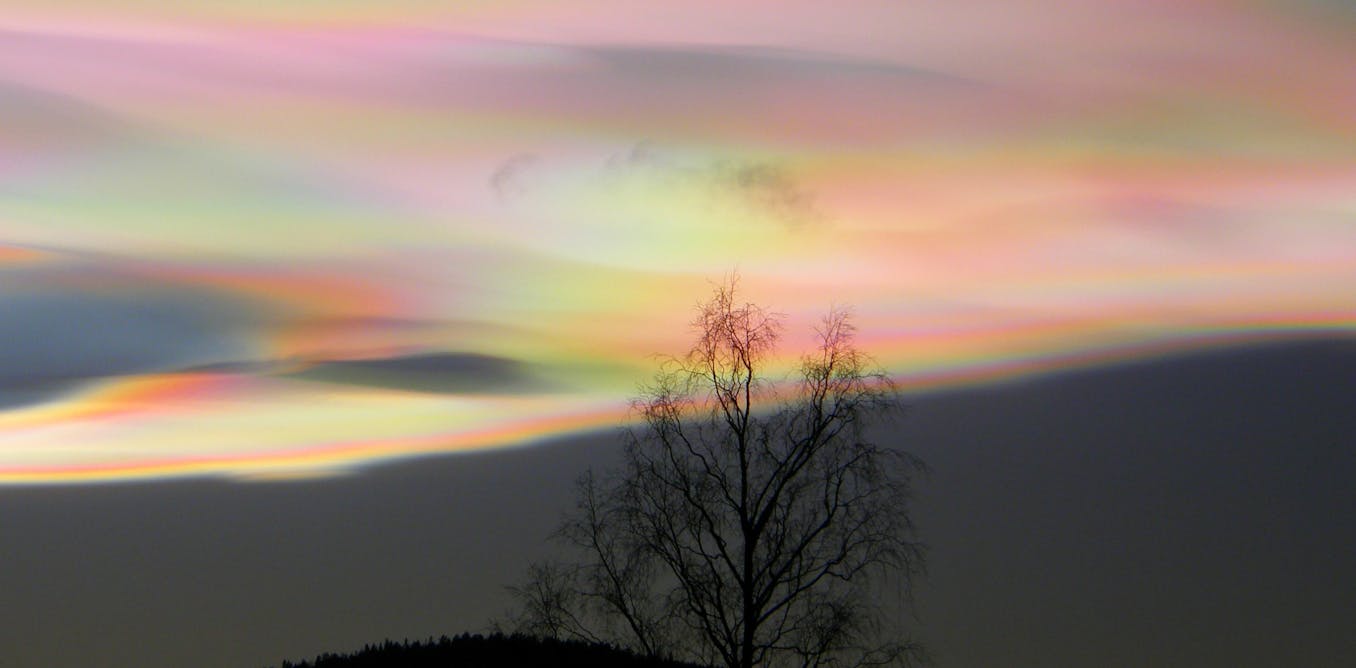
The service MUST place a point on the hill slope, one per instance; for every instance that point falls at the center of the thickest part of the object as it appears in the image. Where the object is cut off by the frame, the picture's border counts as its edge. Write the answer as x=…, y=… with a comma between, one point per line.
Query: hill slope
x=494, y=651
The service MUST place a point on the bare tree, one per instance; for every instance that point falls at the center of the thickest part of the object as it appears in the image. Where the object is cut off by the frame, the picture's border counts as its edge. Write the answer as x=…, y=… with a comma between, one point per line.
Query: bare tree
x=753, y=523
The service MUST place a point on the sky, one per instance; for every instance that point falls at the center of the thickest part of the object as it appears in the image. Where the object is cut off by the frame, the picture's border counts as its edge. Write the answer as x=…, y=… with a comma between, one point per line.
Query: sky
x=281, y=240
x=251, y=251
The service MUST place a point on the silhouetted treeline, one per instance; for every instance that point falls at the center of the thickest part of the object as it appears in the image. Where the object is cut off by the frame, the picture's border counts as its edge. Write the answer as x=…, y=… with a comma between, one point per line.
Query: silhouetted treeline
x=493, y=651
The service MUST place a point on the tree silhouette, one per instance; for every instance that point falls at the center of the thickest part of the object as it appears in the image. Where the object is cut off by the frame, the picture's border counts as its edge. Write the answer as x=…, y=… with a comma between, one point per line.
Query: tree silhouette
x=752, y=523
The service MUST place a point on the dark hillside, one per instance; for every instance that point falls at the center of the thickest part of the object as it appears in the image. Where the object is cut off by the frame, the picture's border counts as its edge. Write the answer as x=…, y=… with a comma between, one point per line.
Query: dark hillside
x=494, y=651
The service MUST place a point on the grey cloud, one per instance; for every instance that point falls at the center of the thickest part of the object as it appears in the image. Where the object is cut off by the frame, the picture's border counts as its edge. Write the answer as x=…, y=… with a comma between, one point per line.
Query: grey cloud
x=751, y=64
x=455, y=328
x=32, y=393
x=434, y=373
x=770, y=189
x=239, y=367
x=507, y=181
x=52, y=341
x=763, y=187
x=724, y=93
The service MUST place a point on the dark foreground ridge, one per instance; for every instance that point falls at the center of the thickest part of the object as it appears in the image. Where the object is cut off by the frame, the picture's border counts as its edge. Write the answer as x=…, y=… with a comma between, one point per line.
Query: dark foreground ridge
x=493, y=651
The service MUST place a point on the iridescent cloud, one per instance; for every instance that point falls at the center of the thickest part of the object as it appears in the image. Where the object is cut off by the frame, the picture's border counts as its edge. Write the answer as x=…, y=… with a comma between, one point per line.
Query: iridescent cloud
x=266, y=240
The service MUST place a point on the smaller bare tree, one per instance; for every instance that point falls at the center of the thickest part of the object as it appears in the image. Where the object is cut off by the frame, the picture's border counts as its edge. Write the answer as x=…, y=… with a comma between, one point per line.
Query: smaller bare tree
x=753, y=522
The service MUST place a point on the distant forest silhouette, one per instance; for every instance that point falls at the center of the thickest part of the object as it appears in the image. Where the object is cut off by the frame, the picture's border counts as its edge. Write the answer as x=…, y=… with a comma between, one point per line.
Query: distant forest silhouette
x=493, y=651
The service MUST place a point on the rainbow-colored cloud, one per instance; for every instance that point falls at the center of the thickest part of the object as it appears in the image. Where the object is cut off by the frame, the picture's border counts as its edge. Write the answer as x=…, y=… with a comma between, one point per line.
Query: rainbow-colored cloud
x=265, y=240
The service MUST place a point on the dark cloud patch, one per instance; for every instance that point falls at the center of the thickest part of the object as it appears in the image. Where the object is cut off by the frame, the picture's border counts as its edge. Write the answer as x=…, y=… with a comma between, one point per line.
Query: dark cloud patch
x=19, y=395
x=753, y=65
x=763, y=188
x=769, y=189
x=239, y=367
x=423, y=328
x=53, y=341
x=509, y=180
x=641, y=155
x=434, y=373
x=734, y=94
